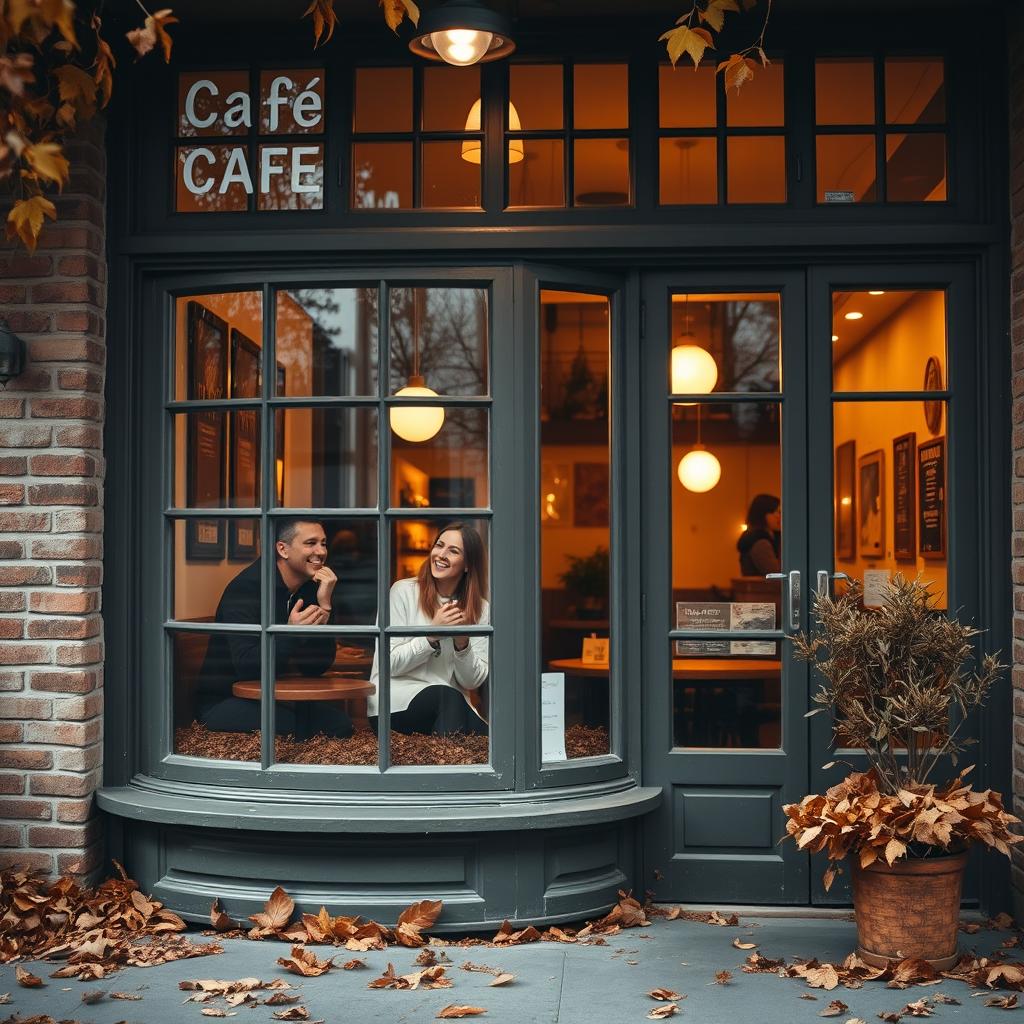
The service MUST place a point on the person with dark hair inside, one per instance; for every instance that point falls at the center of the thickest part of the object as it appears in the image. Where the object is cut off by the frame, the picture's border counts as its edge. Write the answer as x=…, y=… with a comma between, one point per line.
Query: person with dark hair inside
x=303, y=589
x=759, y=544
x=431, y=675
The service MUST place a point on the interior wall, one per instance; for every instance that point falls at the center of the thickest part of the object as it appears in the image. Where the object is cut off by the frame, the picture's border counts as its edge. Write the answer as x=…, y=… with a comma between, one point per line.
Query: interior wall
x=897, y=350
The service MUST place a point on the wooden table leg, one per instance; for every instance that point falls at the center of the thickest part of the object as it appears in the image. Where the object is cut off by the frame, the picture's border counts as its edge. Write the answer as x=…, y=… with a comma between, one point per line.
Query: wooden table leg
x=357, y=712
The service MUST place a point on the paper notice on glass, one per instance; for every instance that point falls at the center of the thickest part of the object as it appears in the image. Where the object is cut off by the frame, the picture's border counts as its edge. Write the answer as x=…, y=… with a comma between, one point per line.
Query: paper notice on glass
x=552, y=716
x=745, y=615
x=876, y=587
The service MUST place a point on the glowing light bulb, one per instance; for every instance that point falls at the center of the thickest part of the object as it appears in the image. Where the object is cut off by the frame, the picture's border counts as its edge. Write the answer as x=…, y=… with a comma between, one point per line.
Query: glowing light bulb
x=699, y=471
x=471, y=148
x=694, y=370
x=854, y=316
x=835, y=337
x=416, y=422
x=876, y=293
x=461, y=46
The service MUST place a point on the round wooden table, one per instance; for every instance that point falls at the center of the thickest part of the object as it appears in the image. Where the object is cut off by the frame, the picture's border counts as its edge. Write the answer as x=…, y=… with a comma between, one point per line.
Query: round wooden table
x=329, y=686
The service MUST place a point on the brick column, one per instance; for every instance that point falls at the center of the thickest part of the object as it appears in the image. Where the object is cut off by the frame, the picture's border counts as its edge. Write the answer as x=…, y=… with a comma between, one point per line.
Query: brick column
x=51, y=532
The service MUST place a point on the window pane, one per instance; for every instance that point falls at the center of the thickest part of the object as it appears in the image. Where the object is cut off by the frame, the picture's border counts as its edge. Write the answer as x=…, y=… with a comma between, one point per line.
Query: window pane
x=538, y=178
x=723, y=698
x=216, y=336
x=449, y=95
x=208, y=554
x=536, y=94
x=844, y=91
x=326, y=341
x=320, y=716
x=890, y=487
x=575, y=530
x=447, y=470
x=688, y=171
x=915, y=90
x=382, y=175
x=761, y=103
x=326, y=458
x=600, y=96
x=198, y=103
x=846, y=168
x=200, y=459
x=889, y=340
x=601, y=172
x=686, y=97
x=725, y=342
x=203, y=183
x=383, y=100
x=727, y=515
x=915, y=168
x=756, y=169
x=302, y=109
x=209, y=721
x=451, y=177
x=291, y=178
x=439, y=334
x=439, y=705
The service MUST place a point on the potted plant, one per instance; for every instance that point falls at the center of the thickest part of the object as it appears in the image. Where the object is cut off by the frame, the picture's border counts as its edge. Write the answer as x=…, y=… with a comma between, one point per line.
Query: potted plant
x=586, y=581
x=899, y=681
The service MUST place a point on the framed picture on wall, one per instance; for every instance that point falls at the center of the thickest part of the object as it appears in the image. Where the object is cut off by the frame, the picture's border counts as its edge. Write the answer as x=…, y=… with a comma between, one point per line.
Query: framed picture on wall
x=590, y=494
x=244, y=445
x=931, y=478
x=871, y=504
x=904, y=497
x=205, y=434
x=846, y=500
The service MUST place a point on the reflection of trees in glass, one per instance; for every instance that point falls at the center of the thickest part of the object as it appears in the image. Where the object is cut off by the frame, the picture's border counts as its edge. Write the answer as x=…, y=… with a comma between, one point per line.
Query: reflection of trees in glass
x=574, y=381
x=748, y=333
x=452, y=339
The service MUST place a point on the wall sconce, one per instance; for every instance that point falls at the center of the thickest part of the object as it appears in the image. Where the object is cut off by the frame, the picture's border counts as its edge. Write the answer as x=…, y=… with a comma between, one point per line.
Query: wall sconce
x=462, y=32
x=12, y=354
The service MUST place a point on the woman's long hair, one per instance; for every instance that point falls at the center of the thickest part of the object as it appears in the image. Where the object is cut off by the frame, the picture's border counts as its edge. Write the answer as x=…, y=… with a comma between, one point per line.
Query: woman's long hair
x=761, y=507
x=472, y=588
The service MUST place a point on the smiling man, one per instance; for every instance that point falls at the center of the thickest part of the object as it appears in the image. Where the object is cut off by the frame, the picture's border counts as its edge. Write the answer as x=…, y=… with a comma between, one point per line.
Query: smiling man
x=303, y=590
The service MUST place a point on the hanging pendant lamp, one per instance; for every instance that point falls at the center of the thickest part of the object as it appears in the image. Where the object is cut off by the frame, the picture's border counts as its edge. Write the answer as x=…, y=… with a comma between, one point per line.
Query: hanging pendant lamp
x=699, y=470
x=416, y=423
x=694, y=370
x=461, y=33
x=472, y=148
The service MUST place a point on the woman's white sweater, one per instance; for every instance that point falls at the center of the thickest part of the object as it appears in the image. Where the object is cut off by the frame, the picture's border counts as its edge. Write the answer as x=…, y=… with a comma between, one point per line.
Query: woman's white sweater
x=414, y=663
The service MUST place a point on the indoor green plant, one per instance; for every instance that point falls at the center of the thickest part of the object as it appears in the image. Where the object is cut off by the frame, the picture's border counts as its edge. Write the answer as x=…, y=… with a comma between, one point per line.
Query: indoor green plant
x=586, y=581
x=894, y=679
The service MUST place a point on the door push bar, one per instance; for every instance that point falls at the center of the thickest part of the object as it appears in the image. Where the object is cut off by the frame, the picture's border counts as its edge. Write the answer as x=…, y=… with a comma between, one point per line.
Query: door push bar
x=791, y=582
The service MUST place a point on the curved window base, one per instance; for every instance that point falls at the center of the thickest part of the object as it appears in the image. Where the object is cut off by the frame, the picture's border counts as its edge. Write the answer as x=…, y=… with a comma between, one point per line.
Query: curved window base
x=548, y=860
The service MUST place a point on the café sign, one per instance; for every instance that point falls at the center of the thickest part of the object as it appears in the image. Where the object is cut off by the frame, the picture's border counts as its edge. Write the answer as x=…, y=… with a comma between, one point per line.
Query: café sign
x=245, y=144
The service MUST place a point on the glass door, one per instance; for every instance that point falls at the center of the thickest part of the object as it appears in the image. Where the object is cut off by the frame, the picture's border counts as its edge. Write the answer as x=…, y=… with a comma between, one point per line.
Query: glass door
x=725, y=578
x=892, y=393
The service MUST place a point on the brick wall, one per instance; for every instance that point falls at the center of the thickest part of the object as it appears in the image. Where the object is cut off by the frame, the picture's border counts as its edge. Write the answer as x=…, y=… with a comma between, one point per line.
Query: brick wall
x=51, y=533
x=1016, y=105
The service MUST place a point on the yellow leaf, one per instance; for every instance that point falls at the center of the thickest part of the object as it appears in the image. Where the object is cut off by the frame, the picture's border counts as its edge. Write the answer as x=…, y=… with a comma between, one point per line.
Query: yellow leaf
x=894, y=849
x=713, y=16
x=43, y=15
x=725, y=5
x=325, y=20
x=686, y=40
x=78, y=88
x=104, y=63
x=153, y=32
x=396, y=10
x=47, y=160
x=738, y=69
x=26, y=219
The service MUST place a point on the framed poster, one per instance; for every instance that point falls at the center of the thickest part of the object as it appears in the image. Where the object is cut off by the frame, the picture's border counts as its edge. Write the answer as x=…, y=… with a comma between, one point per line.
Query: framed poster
x=590, y=494
x=846, y=500
x=904, y=497
x=931, y=480
x=244, y=445
x=871, y=504
x=205, y=440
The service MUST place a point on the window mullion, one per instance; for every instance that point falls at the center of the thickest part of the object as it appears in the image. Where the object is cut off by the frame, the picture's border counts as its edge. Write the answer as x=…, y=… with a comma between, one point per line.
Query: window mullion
x=267, y=498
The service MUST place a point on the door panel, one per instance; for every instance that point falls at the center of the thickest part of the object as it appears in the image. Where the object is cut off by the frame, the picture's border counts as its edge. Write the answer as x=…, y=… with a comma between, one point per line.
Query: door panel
x=725, y=441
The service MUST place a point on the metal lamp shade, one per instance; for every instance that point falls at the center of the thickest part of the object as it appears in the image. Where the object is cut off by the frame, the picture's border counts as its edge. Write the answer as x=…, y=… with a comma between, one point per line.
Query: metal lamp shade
x=461, y=33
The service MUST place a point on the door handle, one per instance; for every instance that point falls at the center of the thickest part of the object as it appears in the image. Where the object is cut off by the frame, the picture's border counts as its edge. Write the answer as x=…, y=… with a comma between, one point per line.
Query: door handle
x=792, y=583
x=822, y=589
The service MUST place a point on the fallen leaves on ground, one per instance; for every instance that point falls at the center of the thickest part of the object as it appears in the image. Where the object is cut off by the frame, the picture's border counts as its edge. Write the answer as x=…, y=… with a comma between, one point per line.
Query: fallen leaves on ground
x=723, y=977
x=1002, y=1002
x=664, y=994
x=661, y=1012
x=429, y=977
x=744, y=945
x=93, y=996
x=26, y=979
x=716, y=918
x=459, y=1011
x=836, y=1007
x=509, y=936
x=292, y=1013
x=305, y=962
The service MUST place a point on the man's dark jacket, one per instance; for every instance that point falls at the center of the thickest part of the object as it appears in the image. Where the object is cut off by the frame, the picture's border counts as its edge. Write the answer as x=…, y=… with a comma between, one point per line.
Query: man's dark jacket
x=237, y=656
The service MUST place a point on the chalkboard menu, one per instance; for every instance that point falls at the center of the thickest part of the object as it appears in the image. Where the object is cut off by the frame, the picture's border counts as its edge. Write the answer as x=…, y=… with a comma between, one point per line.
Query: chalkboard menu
x=903, y=495
x=931, y=477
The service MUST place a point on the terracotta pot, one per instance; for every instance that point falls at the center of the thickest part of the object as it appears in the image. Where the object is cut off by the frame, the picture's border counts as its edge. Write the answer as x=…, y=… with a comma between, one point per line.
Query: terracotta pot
x=911, y=909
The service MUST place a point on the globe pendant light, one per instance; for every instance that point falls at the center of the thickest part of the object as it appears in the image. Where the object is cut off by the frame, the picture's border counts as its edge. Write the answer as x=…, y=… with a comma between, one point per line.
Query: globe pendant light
x=694, y=370
x=471, y=148
x=698, y=470
x=461, y=33
x=416, y=423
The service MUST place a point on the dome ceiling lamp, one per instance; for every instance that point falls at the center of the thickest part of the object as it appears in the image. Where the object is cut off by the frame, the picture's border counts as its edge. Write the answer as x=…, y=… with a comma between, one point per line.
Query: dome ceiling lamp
x=461, y=33
x=694, y=370
x=416, y=423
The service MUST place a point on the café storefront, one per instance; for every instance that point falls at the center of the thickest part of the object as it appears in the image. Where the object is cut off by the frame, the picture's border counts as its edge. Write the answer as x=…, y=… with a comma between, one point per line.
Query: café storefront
x=610, y=317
